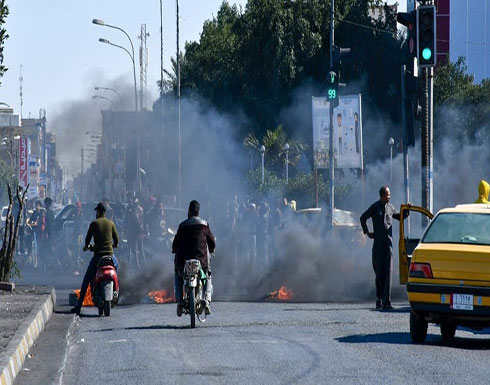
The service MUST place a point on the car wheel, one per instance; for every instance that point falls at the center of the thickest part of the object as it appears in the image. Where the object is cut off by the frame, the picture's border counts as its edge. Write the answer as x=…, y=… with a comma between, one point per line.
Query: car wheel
x=448, y=330
x=418, y=328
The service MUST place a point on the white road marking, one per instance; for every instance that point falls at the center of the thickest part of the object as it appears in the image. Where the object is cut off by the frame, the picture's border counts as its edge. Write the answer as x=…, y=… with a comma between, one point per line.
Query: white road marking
x=258, y=342
x=115, y=341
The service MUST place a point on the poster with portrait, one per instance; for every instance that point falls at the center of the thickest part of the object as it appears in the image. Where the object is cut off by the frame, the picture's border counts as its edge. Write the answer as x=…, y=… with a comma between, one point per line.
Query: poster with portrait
x=320, y=119
x=347, y=131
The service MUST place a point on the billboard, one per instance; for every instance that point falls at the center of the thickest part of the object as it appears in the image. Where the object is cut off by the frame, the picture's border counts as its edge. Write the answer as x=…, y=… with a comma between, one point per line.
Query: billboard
x=24, y=154
x=34, y=170
x=347, y=131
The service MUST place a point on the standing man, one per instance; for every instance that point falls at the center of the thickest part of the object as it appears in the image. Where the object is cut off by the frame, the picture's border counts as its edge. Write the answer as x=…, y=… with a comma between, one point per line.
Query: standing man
x=382, y=213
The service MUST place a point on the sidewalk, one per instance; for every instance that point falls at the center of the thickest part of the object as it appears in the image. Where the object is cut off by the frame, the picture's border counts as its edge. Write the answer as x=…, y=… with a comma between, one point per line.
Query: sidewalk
x=23, y=316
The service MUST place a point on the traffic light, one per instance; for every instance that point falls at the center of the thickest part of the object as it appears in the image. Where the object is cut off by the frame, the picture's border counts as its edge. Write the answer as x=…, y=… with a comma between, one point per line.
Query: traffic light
x=426, y=36
x=333, y=88
x=334, y=75
x=409, y=20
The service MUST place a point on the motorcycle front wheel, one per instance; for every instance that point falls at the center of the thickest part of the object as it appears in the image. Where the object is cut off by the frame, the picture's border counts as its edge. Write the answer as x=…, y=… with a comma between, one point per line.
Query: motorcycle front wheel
x=191, y=296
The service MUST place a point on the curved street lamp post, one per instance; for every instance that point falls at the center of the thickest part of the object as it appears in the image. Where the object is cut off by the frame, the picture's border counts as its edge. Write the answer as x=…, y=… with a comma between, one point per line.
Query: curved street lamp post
x=131, y=55
x=105, y=98
x=112, y=90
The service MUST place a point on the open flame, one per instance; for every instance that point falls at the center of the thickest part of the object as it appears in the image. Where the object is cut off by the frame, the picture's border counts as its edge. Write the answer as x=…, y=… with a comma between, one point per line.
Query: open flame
x=160, y=296
x=283, y=294
x=87, y=301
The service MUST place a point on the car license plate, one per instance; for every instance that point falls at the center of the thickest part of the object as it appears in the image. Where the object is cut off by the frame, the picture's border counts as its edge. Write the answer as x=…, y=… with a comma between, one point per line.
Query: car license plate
x=462, y=301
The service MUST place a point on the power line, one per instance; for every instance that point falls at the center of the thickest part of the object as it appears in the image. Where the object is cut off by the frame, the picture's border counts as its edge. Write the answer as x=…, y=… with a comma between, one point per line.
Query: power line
x=367, y=26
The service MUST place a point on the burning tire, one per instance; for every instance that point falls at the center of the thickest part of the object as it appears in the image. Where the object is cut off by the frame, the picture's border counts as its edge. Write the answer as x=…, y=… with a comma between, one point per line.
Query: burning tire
x=191, y=297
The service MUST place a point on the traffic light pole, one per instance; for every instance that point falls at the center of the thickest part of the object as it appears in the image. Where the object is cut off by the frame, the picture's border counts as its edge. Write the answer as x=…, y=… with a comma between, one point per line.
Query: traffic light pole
x=405, y=137
x=425, y=141
x=431, y=139
x=331, y=179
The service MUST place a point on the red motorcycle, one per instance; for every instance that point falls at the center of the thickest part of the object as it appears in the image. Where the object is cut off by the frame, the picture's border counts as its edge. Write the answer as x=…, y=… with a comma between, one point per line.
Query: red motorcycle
x=105, y=288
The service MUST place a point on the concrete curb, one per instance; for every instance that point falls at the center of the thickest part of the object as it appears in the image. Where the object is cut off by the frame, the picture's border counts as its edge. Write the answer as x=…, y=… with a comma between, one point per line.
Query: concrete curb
x=13, y=358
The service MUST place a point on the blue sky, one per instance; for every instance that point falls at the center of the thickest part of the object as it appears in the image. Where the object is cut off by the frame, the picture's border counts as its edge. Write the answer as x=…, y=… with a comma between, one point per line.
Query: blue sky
x=57, y=45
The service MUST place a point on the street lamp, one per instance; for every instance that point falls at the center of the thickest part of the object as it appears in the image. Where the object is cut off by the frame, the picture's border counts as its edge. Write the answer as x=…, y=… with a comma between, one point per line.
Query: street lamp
x=105, y=41
x=103, y=97
x=286, y=148
x=262, y=152
x=391, y=142
x=112, y=90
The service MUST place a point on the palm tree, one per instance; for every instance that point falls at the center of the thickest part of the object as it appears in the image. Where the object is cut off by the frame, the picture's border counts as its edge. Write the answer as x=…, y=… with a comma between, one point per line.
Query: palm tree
x=275, y=154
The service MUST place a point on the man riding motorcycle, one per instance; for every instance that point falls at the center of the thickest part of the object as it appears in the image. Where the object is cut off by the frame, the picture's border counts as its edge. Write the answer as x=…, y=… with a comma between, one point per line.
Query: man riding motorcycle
x=105, y=236
x=193, y=241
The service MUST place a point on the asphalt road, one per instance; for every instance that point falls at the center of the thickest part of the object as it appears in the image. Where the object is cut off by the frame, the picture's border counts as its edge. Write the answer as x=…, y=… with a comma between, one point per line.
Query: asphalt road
x=258, y=343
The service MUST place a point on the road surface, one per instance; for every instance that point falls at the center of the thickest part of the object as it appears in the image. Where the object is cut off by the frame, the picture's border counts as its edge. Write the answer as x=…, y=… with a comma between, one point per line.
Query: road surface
x=250, y=343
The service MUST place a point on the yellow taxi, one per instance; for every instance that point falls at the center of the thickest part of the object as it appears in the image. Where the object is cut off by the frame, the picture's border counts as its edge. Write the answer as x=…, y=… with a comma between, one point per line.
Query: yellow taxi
x=447, y=270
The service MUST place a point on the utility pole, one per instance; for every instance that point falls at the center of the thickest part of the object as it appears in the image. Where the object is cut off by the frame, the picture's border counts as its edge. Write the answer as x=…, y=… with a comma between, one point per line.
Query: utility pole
x=21, y=80
x=331, y=179
x=81, y=180
x=405, y=139
x=143, y=66
x=161, y=67
x=178, y=102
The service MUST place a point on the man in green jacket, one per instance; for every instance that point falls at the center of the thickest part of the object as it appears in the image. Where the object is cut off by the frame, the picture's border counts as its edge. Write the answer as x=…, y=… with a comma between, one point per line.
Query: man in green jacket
x=105, y=236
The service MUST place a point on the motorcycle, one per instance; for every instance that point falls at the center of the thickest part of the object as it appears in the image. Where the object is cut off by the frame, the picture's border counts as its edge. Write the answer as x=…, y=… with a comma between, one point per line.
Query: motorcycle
x=194, y=284
x=105, y=287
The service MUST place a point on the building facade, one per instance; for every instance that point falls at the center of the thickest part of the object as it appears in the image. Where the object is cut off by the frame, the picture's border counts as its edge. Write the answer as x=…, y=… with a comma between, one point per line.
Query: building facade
x=463, y=30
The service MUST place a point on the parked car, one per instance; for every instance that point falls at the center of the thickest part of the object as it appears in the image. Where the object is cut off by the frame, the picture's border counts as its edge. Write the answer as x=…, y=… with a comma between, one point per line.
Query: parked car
x=447, y=270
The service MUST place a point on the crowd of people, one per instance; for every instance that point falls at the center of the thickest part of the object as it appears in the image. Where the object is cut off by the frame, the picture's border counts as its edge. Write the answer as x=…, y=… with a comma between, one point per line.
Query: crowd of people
x=248, y=230
x=43, y=244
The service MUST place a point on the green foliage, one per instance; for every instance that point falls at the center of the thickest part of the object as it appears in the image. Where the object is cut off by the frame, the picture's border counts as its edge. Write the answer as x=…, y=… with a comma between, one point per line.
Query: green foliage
x=272, y=188
x=462, y=108
x=275, y=154
x=6, y=177
x=301, y=188
x=253, y=60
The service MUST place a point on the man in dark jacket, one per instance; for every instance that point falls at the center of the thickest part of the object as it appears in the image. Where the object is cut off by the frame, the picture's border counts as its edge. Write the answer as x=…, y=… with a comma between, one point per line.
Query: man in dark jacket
x=381, y=212
x=193, y=240
x=105, y=236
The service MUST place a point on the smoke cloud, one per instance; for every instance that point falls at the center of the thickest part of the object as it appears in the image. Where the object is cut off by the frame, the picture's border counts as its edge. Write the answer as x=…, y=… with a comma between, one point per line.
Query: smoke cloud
x=312, y=263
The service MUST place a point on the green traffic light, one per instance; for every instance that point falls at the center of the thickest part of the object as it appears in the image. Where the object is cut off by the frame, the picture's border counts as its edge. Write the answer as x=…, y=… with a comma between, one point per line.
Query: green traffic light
x=426, y=53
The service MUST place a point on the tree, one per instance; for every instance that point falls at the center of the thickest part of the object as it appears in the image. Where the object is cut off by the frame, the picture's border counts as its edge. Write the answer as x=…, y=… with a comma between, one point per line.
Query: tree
x=253, y=60
x=462, y=108
x=10, y=234
x=275, y=154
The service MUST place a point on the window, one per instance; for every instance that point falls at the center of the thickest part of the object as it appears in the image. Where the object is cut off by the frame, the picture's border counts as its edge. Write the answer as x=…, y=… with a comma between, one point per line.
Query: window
x=460, y=228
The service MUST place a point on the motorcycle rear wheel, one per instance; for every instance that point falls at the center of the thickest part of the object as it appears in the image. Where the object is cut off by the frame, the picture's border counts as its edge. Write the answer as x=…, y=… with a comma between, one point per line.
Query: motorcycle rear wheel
x=192, y=306
x=107, y=308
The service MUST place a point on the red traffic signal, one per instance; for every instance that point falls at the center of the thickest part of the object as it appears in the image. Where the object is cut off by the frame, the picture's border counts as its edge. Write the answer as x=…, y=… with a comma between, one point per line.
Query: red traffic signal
x=409, y=20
